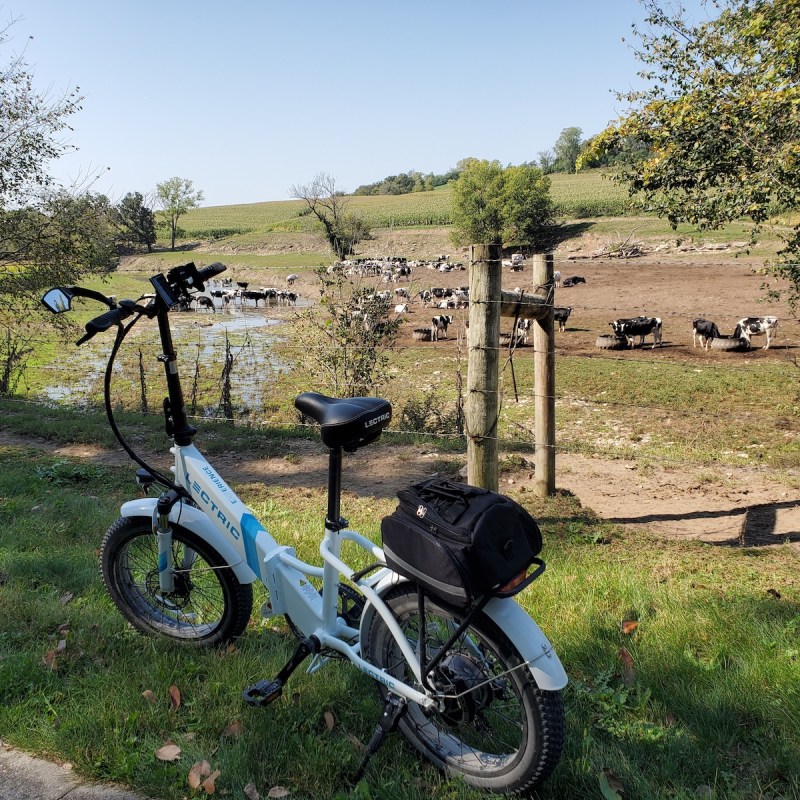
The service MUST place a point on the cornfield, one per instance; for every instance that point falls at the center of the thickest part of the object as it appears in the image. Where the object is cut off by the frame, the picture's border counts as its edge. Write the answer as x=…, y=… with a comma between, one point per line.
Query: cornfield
x=587, y=194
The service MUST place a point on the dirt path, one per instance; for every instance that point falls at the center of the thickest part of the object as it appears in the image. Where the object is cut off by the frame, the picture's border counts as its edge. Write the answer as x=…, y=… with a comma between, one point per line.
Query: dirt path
x=728, y=506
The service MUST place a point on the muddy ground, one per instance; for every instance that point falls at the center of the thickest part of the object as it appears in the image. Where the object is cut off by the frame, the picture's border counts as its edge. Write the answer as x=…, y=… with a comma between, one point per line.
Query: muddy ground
x=726, y=504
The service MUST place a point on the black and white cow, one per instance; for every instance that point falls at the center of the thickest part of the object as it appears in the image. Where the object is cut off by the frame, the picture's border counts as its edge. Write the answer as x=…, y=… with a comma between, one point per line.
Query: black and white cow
x=439, y=325
x=523, y=329
x=705, y=330
x=561, y=315
x=251, y=294
x=755, y=326
x=204, y=302
x=638, y=326
x=574, y=280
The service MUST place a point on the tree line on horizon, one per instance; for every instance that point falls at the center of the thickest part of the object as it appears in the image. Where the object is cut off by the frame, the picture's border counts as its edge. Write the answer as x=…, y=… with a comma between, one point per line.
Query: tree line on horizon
x=564, y=157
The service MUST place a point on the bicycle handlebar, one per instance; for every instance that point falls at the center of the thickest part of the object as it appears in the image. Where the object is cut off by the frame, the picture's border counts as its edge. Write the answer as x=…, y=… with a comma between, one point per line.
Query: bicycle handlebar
x=177, y=285
x=211, y=271
x=104, y=322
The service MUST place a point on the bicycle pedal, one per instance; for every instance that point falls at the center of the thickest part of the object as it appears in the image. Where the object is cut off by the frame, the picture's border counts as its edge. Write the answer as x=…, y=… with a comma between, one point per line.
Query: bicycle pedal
x=262, y=693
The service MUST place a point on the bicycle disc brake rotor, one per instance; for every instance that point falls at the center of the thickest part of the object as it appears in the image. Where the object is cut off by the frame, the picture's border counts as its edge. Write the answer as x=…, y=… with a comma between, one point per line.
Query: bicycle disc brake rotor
x=179, y=598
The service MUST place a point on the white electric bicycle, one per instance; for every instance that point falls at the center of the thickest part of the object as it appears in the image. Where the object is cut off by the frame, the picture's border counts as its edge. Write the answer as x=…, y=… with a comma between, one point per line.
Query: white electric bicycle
x=477, y=691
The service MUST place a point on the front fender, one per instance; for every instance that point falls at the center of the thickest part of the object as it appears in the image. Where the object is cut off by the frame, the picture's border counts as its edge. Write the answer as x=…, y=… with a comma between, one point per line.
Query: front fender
x=198, y=523
x=516, y=624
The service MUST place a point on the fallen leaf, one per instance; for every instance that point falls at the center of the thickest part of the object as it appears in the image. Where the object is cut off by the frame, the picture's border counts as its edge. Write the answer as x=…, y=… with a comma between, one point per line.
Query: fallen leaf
x=251, y=793
x=168, y=752
x=627, y=666
x=278, y=791
x=174, y=697
x=356, y=742
x=235, y=728
x=65, y=598
x=330, y=722
x=199, y=770
x=209, y=784
x=610, y=786
x=628, y=626
x=149, y=695
x=49, y=660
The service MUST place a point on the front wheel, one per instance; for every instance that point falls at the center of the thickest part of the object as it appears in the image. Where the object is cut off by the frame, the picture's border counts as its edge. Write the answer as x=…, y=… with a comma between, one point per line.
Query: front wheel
x=208, y=605
x=493, y=725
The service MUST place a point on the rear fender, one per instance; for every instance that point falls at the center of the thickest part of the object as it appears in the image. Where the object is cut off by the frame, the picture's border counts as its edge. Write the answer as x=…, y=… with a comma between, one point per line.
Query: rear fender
x=516, y=624
x=198, y=523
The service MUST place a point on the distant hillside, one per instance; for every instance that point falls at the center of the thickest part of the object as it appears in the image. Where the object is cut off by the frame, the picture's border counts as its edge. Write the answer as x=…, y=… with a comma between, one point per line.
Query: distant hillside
x=587, y=194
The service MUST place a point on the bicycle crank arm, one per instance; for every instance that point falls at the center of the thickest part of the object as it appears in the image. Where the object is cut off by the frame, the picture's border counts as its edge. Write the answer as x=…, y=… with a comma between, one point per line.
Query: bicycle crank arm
x=264, y=692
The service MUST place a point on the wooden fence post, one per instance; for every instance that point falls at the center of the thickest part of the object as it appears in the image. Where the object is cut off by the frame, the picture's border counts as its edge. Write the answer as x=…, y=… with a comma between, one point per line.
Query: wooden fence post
x=544, y=381
x=483, y=365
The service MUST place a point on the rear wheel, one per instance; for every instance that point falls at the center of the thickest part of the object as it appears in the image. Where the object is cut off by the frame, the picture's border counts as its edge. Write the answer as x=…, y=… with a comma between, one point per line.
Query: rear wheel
x=208, y=605
x=494, y=727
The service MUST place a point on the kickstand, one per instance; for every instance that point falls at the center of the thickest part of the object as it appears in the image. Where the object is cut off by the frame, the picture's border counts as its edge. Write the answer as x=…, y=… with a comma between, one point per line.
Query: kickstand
x=393, y=712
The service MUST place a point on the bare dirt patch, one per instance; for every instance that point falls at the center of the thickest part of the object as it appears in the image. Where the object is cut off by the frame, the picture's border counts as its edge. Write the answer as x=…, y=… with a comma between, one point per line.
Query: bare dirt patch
x=743, y=504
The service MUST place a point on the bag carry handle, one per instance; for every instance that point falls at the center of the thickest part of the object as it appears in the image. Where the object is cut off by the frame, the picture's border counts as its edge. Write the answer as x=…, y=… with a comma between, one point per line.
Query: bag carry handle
x=455, y=494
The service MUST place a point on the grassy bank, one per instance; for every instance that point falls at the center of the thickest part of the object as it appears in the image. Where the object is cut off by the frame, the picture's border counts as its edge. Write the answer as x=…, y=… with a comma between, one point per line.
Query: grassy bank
x=695, y=695
x=588, y=194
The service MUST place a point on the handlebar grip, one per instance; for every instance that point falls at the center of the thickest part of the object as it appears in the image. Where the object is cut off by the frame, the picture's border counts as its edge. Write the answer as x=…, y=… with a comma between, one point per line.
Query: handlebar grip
x=104, y=322
x=211, y=271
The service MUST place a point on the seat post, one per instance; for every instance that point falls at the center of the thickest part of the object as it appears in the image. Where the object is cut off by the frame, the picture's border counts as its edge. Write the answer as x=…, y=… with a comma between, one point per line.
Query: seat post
x=333, y=521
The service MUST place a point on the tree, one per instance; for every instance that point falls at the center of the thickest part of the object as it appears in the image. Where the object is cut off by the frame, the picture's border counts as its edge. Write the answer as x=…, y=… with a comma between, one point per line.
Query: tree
x=720, y=118
x=496, y=205
x=30, y=124
x=343, y=229
x=567, y=149
x=348, y=336
x=546, y=160
x=527, y=211
x=137, y=223
x=176, y=197
x=48, y=236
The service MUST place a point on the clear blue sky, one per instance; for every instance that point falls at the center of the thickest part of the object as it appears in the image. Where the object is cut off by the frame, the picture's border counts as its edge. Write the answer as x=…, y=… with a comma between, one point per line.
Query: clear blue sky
x=248, y=97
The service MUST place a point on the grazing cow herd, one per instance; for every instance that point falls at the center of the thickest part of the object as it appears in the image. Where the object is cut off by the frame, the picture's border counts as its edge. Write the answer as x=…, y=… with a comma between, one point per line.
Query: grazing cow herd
x=222, y=295
x=629, y=331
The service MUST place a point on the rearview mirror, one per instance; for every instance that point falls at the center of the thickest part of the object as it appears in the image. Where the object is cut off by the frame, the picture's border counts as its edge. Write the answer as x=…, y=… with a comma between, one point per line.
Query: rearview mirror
x=58, y=300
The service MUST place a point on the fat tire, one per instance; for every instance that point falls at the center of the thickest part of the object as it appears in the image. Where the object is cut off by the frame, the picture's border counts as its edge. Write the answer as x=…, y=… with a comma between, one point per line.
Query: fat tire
x=133, y=587
x=541, y=713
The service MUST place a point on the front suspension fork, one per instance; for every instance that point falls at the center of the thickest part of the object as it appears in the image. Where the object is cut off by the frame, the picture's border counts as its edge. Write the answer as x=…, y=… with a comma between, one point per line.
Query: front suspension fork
x=162, y=528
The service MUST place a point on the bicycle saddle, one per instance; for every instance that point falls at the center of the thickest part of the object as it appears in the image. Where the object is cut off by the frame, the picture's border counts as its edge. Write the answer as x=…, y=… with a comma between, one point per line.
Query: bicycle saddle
x=349, y=422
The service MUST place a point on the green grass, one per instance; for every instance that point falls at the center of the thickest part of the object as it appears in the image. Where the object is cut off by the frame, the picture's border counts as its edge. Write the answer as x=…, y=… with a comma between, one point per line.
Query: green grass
x=588, y=194
x=591, y=196
x=709, y=697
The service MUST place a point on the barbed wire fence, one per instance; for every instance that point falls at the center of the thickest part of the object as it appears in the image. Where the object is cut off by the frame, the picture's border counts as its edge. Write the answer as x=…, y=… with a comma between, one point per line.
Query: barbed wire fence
x=256, y=374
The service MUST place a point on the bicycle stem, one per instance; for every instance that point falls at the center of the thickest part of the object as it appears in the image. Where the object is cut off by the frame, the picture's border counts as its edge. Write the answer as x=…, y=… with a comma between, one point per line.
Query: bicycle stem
x=177, y=424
